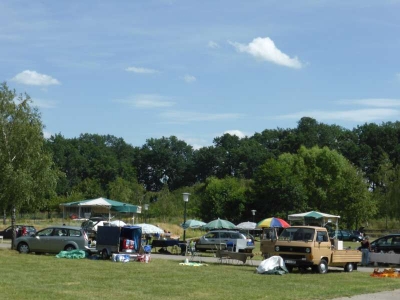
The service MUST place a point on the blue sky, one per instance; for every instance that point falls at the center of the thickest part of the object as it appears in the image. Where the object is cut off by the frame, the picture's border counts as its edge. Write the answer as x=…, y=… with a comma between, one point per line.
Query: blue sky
x=198, y=69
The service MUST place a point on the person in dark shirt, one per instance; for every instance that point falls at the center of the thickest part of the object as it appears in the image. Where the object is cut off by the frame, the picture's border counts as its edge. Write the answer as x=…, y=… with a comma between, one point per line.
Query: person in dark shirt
x=365, y=249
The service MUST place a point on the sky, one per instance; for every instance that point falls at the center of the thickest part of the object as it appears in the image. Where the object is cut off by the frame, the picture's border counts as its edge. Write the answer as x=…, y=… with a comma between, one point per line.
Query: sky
x=142, y=69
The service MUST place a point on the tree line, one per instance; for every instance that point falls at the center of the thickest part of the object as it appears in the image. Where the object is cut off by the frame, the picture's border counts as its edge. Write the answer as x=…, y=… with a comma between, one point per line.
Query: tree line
x=353, y=173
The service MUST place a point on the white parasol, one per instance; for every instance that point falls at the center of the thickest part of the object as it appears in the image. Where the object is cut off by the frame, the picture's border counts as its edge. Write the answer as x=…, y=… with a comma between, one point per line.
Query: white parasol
x=149, y=228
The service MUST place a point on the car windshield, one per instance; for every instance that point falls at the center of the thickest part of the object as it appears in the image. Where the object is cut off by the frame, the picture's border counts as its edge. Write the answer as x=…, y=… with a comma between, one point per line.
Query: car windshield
x=297, y=234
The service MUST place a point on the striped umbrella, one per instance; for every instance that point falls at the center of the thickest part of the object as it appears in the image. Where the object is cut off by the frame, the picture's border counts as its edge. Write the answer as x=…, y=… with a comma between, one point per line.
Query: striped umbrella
x=273, y=222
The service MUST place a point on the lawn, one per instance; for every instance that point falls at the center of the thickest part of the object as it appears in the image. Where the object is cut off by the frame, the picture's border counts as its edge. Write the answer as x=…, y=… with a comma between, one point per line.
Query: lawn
x=46, y=277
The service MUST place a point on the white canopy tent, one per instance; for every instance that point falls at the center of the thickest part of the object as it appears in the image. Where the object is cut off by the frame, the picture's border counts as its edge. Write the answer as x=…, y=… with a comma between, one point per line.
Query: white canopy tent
x=99, y=205
x=315, y=217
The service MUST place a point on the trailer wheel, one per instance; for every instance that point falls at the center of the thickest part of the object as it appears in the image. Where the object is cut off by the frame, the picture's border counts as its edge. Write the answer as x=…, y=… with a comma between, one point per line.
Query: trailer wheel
x=104, y=254
x=349, y=267
x=323, y=267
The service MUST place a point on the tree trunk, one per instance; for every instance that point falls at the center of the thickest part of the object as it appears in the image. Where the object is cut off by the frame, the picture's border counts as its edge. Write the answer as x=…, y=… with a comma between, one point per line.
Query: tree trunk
x=14, y=234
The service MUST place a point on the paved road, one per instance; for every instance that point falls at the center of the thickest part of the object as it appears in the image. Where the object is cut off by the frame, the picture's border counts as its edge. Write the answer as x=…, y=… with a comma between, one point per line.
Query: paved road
x=388, y=295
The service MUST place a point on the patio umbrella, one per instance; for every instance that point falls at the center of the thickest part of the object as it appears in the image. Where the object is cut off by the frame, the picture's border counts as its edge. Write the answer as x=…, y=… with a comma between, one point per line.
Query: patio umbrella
x=192, y=224
x=149, y=228
x=273, y=222
x=246, y=225
x=219, y=224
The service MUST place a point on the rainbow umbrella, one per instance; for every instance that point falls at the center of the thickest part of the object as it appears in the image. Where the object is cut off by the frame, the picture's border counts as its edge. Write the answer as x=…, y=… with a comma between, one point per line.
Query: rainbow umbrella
x=273, y=222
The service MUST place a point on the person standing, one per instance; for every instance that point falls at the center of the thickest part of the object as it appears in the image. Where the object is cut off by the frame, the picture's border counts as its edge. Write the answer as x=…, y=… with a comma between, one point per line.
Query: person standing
x=365, y=249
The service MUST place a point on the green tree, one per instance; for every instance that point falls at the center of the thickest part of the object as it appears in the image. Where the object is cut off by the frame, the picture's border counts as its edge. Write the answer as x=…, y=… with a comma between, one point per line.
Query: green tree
x=165, y=161
x=313, y=179
x=225, y=198
x=126, y=191
x=27, y=177
x=278, y=187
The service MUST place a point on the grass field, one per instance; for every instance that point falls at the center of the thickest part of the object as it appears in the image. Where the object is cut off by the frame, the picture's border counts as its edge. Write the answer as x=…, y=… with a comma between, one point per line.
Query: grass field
x=47, y=277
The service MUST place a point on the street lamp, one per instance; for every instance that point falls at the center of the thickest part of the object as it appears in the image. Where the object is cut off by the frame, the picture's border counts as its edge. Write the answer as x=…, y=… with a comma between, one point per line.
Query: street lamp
x=186, y=200
x=146, y=208
x=253, y=211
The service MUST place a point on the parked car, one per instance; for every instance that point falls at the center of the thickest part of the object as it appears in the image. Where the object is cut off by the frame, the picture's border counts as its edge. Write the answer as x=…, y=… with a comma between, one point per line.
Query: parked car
x=7, y=233
x=388, y=243
x=53, y=240
x=220, y=238
x=346, y=235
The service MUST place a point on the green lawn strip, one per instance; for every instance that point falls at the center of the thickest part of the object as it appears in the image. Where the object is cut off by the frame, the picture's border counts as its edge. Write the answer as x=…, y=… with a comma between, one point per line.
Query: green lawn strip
x=46, y=277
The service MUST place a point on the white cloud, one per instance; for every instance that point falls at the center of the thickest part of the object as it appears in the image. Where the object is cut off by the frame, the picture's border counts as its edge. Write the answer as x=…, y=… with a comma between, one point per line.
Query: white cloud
x=34, y=78
x=377, y=102
x=265, y=49
x=141, y=70
x=238, y=133
x=195, y=142
x=189, y=78
x=359, y=115
x=213, y=45
x=187, y=116
x=147, y=101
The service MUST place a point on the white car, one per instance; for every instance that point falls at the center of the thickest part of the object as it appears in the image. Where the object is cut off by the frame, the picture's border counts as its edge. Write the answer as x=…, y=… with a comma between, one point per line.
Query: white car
x=224, y=239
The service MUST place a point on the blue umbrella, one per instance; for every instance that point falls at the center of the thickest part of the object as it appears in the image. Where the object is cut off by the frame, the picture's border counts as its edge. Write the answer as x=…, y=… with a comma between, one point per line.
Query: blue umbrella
x=192, y=224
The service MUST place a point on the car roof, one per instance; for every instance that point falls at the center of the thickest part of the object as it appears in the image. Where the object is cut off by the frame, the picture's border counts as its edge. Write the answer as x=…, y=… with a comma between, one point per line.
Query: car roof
x=305, y=226
x=64, y=226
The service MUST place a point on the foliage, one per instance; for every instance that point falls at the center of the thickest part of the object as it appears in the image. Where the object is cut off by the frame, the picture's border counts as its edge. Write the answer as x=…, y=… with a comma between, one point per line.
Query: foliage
x=165, y=161
x=313, y=179
x=27, y=177
x=224, y=198
x=91, y=157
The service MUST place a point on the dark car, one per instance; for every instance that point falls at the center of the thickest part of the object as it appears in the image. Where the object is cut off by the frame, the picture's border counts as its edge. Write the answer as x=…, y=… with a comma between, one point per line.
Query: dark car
x=53, y=240
x=346, y=235
x=389, y=243
x=7, y=233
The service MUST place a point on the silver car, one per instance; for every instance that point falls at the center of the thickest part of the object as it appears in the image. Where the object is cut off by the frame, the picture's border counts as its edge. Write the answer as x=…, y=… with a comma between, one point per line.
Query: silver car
x=224, y=239
x=53, y=240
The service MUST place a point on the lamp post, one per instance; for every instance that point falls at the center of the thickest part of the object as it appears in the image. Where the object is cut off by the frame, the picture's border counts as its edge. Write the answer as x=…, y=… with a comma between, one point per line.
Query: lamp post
x=253, y=211
x=186, y=200
x=146, y=208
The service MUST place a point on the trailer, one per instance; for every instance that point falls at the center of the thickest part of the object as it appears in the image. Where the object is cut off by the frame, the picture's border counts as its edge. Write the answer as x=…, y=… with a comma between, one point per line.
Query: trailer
x=122, y=240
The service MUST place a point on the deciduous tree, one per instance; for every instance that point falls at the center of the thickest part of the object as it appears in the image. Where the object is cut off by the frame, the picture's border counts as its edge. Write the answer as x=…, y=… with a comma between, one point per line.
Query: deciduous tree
x=27, y=176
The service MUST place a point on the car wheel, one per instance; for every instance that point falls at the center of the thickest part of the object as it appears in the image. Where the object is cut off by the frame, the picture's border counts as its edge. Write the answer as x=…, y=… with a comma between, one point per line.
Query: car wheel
x=354, y=240
x=23, y=248
x=323, y=267
x=349, y=267
x=69, y=248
